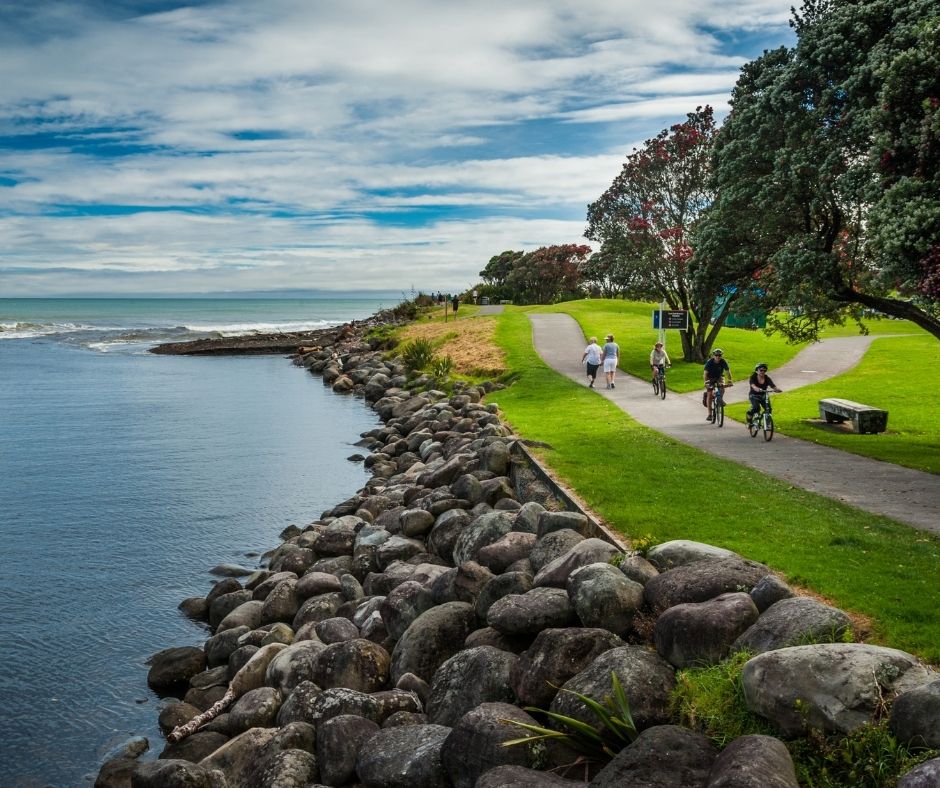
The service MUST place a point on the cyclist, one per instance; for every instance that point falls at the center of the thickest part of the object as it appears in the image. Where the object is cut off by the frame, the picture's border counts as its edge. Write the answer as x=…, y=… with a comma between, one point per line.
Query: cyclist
x=760, y=381
x=659, y=358
x=713, y=372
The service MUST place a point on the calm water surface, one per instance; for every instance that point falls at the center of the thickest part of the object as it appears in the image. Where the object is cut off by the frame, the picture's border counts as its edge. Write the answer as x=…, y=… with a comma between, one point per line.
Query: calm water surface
x=124, y=478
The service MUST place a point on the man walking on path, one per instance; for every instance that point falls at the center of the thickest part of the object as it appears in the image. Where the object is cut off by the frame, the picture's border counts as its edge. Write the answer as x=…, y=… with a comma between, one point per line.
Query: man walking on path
x=592, y=353
x=611, y=359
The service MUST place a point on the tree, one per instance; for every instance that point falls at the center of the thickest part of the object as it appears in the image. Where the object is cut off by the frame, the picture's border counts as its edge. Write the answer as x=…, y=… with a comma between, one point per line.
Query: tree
x=499, y=267
x=610, y=274
x=547, y=275
x=826, y=169
x=646, y=219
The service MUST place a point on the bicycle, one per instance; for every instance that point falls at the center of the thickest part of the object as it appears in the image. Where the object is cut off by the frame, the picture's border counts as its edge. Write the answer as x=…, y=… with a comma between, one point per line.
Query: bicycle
x=659, y=382
x=762, y=421
x=716, y=413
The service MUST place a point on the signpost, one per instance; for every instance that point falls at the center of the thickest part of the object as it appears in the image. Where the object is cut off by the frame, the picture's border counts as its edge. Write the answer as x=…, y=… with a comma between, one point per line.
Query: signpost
x=669, y=318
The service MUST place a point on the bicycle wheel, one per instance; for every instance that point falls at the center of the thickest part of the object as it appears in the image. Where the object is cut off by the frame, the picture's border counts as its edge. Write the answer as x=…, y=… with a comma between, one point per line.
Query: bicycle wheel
x=719, y=414
x=753, y=426
x=655, y=386
x=662, y=387
x=768, y=427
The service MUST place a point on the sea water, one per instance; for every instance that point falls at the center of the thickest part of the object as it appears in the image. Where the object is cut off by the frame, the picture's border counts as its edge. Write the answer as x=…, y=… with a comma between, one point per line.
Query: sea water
x=124, y=478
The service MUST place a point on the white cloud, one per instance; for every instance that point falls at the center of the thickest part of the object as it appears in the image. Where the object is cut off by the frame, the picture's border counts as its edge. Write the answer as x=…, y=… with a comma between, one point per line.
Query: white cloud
x=268, y=134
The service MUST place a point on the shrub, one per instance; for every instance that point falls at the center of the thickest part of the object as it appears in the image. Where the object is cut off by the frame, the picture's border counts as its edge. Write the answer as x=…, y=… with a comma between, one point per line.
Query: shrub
x=441, y=367
x=417, y=354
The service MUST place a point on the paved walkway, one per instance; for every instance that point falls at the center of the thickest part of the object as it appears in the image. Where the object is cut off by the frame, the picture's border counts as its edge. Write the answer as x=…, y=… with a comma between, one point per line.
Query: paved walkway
x=906, y=495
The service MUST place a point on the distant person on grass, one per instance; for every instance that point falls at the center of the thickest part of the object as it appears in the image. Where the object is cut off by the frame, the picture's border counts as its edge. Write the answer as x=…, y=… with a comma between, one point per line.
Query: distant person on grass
x=659, y=359
x=611, y=359
x=713, y=373
x=592, y=354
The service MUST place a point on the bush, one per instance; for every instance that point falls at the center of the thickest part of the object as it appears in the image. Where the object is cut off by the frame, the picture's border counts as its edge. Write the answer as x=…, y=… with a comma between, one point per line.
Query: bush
x=417, y=354
x=442, y=366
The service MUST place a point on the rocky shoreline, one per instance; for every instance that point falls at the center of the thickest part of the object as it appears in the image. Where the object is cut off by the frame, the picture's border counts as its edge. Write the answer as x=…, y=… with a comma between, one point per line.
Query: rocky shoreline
x=389, y=642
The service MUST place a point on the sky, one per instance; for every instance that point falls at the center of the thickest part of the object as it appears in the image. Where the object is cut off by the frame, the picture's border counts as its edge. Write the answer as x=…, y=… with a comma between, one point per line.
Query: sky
x=154, y=147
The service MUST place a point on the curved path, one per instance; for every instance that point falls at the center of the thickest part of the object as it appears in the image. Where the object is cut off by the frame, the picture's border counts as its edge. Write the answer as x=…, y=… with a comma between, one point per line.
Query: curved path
x=904, y=494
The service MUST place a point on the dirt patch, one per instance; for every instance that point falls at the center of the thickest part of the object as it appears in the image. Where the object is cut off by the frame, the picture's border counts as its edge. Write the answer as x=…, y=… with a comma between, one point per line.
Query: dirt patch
x=469, y=343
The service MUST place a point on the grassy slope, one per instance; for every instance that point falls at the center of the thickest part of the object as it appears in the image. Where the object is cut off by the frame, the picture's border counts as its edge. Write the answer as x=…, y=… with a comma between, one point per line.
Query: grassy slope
x=913, y=438
x=644, y=483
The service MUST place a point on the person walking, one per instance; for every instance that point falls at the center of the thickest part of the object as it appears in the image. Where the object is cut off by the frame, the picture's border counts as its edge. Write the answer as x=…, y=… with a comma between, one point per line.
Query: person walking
x=611, y=359
x=592, y=354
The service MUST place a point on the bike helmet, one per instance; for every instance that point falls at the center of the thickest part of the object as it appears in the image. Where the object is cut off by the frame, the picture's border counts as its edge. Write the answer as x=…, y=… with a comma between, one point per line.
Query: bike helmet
x=717, y=352
x=761, y=366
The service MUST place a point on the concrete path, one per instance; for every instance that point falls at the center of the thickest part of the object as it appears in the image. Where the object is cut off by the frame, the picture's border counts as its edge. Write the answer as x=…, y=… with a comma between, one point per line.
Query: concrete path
x=490, y=309
x=906, y=495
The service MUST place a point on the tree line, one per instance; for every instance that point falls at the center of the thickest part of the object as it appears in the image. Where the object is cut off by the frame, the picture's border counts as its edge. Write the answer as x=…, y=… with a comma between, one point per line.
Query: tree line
x=819, y=193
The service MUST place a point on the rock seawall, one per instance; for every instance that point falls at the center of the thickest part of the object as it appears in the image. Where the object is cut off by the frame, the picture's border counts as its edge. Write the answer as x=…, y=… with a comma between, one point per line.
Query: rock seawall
x=388, y=642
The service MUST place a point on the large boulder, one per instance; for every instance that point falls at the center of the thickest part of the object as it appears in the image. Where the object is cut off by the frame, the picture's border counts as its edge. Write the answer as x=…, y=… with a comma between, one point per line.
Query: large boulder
x=554, y=657
x=499, y=586
x=791, y=622
x=665, y=756
x=358, y=664
x=915, y=716
x=646, y=678
x=174, y=667
x=927, y=775
x=293, y=665
x=531, y=612
x=751, y=761
x=550, y=522
x=701, y=633
x=603, y=597
x=469, y=678
x=552, y=546
x=476, y=743
x=403, y=605
x=679, y=552
x=702, y=580
x=433, y=637
x=590, y=551
x=499, y=555
x=407, y=756
x=174, y=773
x=257, y=708
x=339, y=741
x=260, y=757
x=835, y=687
x=485, y=530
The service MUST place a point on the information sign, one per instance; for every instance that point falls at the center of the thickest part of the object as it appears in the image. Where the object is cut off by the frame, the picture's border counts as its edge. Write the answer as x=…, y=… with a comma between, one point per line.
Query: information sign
x=671, y=318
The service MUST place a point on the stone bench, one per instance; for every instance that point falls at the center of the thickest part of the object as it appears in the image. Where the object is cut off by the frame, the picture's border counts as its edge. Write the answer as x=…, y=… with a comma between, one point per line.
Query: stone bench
x=864, y=418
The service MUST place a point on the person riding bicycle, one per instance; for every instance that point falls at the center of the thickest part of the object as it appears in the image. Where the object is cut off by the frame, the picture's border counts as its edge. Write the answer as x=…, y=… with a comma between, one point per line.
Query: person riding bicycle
x=713, y=373
x=759, y=381
x=659, y=359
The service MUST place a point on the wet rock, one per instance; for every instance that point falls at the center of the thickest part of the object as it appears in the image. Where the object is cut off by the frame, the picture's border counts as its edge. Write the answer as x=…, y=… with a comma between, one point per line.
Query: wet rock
x=753, y=761
x=357, y=664
x=531, y=612
x=316, y=583
x=433, y=637
x=701, y=633
x=603, y=597
x=702, y=580
x=281, y=604
x=257, y=708
x=220, y=647
x=174, y=667
x=247, y=614
x=403, y=757
x=336, y=630
x=224, y=604
x=646, y=678
x=475, y=744
x=555, y=656
x=194, y=748
x=294, y=665
x=469, y=678
x=665, y=756
x=339, y=741
x=175, y=774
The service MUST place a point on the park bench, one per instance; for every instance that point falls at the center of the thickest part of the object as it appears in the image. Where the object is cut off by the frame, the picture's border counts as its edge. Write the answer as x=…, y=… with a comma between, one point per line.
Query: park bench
x=864, y=418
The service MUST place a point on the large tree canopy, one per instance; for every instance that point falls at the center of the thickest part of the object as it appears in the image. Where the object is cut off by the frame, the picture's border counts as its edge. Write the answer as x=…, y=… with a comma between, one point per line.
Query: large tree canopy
x=647, y=217
x=826, y=169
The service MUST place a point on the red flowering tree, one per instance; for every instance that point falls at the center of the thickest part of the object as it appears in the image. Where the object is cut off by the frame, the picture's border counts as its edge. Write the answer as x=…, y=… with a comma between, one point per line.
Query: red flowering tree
x=645, y=221
x=547, y=275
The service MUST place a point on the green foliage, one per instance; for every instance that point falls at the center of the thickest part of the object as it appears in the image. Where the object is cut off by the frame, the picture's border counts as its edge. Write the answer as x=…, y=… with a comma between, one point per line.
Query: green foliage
x=382, y=337
x=441, y=366
x=711, y=701
x=615, y=731
x=649, y=483
x=869, y=757
x=417, y=354
x=827, y=170
x=643, y=544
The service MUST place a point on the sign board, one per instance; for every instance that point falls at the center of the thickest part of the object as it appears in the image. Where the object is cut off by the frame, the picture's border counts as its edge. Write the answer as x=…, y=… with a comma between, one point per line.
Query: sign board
x=671, y=318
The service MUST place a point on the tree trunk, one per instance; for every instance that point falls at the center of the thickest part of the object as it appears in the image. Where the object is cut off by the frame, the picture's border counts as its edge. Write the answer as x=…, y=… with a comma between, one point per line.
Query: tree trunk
x=895, y=308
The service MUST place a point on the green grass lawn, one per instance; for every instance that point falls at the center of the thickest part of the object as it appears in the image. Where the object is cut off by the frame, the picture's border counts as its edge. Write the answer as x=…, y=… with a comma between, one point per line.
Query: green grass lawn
x=643, y=483
x=900, y=375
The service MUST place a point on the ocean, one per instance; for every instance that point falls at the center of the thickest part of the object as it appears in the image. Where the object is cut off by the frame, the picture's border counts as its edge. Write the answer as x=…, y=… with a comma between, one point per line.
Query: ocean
x=124, y=478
